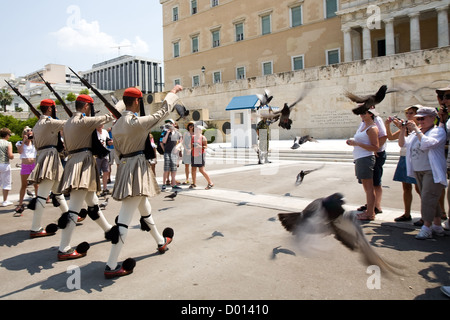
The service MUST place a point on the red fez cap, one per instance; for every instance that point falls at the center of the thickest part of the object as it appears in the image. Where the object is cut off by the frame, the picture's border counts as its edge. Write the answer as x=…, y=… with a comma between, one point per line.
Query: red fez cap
x=47, y=103
x=133, y=93
x=85, y=98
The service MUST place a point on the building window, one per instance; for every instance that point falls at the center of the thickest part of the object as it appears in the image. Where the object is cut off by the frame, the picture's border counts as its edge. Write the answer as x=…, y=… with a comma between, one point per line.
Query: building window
x=266, y=24
x=217, y=77
x=267, y=68
x=216, y=38
x=333, y=56
x=297, y=63
x=331, y=6
x=193, y=6
x=195, y=81
x=240, y=73
x=214, y=3
x=176, y=82
x=195, y=44
x=175, y=14
x=239, y=27
x=296, y=16
x=176, y=49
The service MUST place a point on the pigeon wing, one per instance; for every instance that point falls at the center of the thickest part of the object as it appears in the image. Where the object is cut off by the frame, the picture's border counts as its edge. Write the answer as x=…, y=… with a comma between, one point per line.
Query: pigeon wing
x=349, y=232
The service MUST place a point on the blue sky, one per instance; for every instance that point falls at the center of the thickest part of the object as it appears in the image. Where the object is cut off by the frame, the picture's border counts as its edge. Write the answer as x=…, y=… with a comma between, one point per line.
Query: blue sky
x=77, y=33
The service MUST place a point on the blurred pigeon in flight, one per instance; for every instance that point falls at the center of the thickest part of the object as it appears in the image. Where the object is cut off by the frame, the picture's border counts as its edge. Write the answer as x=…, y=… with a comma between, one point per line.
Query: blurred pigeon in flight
x=303, y=173
x=325, y=216
x=264, y=99
x=366, y=102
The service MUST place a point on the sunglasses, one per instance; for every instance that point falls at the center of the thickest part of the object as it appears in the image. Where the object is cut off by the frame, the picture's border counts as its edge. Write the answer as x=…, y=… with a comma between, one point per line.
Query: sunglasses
x=444, y=96
x=420, y=118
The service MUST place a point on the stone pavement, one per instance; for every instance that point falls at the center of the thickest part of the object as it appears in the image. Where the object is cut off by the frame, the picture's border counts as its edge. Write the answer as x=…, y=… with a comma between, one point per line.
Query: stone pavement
x=228, y=243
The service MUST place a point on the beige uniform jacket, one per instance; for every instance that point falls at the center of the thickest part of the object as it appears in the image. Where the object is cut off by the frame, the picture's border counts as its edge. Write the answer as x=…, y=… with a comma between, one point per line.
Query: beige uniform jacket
x=48, y=163
x=134, y=175
x=80, y=171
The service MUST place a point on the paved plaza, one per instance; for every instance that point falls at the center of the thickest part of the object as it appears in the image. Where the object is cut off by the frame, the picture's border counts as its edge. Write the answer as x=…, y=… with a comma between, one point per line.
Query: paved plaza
x=228, y=243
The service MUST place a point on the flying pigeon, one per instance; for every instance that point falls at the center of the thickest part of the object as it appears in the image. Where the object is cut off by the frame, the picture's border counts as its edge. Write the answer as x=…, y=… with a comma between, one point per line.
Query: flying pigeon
x=285, y=122
x=325, y=216
x=366, y=102
x=104, y=204
x=172, y=196
x=303, y=173
x=181, y=110
x=301, y=140
x=265, y=98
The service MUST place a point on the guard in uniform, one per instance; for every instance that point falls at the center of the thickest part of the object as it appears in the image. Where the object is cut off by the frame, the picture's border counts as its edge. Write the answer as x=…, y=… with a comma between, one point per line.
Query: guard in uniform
x=80, y=177
x=135, y=181
x=48, y=170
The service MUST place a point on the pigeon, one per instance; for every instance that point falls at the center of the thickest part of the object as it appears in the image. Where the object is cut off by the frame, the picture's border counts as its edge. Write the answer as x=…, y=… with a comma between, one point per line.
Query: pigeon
x=285, y=122
x=264, y=99
x=325, y=216
x=104, y=204
x=301, y=140
x=181, y=110
x=303, y=173
x=366, y=102
x=172, y=196
x=29, y=193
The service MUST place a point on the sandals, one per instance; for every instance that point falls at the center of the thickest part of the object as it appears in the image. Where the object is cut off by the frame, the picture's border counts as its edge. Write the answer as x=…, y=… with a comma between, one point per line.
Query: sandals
x=192, y=186
x=364, y=208
x=18, y=211
x=209, y=186
x=403, y=218
x=364, y=216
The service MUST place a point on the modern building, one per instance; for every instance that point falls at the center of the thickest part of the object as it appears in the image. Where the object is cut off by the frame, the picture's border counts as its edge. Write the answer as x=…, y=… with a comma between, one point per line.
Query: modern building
x=53, y=73
x=127, y=71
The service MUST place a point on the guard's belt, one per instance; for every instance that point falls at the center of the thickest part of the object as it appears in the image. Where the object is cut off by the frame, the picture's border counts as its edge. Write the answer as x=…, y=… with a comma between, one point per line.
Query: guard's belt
x=46, y=147
x=80, y=150
x=130, y=155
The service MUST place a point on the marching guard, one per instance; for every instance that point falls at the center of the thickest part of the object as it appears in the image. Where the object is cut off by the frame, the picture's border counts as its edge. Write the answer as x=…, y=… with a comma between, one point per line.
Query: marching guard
x=135, y=181
x=80, y=177
x=48, y=170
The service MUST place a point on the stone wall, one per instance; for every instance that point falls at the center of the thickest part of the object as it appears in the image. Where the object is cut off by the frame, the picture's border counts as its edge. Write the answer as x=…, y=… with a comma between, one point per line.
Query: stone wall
x=325, y=112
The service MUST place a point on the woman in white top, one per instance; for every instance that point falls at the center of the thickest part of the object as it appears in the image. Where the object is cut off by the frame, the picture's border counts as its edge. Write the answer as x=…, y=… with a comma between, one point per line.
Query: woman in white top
x=425, y=160
x=6, y=155
x=365, y=143
x=27, y=152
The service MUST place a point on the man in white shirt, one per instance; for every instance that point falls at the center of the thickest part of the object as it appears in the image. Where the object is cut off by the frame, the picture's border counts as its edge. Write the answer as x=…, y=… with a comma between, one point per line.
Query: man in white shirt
x=103, y=163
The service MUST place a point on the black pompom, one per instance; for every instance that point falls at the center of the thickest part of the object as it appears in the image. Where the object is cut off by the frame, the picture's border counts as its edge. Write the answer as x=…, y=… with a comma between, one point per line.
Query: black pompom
x=51, y=228
x=64, y=220
x=83, y=247
x=83, y=213
x=129, y=264
x=168, y=233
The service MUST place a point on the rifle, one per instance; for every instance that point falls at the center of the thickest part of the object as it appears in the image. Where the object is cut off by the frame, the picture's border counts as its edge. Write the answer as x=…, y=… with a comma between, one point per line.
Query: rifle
x=116, y=114
x=68, y=111
x=33, y=109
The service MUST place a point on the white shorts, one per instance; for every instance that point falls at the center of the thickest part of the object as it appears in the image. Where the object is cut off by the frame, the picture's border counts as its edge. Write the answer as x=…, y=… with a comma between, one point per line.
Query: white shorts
x=5, y=176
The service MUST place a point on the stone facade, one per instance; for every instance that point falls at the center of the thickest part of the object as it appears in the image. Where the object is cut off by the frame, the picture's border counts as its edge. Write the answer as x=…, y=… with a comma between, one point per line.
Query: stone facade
x=325, y=113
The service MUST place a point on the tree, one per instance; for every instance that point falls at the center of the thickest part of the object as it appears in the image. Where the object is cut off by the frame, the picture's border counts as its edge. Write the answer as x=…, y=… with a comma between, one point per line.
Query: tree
x=6, y=99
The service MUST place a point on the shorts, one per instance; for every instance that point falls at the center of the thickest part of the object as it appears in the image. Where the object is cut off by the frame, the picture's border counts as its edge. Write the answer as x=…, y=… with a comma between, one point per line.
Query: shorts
x=5, y=176
x=198, y=161
x=103, y=164
x=26, y=169
x=380, y=159
x=364, y=167
x=170, y=162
